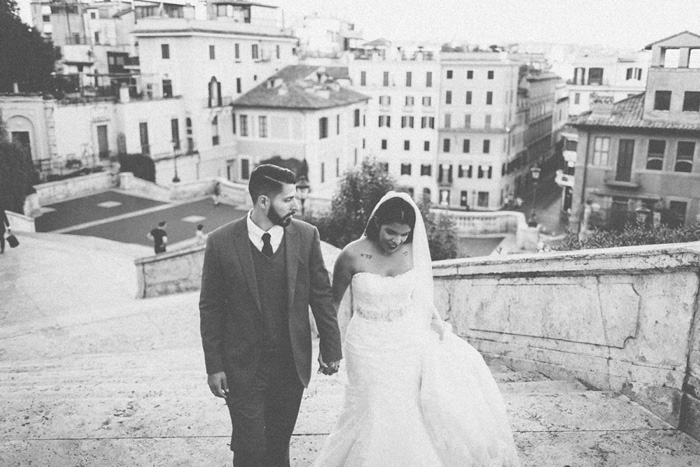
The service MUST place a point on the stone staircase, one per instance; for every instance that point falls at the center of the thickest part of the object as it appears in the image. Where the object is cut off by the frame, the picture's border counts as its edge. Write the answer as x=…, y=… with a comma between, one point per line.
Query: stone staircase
x=123, y=384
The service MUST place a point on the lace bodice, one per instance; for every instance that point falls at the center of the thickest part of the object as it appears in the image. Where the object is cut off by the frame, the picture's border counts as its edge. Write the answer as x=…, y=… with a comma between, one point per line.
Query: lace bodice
x=382, y=298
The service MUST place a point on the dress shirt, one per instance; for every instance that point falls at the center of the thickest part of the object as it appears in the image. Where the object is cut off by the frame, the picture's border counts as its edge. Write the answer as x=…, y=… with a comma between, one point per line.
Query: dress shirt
x=255, y=234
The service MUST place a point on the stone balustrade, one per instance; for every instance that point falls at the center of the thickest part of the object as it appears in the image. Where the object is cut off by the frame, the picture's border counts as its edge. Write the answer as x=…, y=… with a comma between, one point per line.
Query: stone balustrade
x=20, y=223
x=477, y=223
x=53, y=192
x=622, y=319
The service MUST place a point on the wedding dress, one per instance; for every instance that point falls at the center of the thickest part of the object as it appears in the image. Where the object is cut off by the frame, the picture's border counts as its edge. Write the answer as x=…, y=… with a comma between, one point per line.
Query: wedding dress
x=412, y=399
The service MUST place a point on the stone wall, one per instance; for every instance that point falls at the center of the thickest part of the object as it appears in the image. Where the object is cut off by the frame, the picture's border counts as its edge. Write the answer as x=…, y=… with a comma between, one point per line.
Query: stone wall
x=171, y=272
x=622, y=319
x=53, y=192
x=20, y=223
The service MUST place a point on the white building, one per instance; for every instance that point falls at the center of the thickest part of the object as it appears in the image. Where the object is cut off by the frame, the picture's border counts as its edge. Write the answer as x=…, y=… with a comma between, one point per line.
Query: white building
x=306, y=113
x=401, y=122
x=479, y=129
x=210, y=63
x=616, y=76
x=326, y=36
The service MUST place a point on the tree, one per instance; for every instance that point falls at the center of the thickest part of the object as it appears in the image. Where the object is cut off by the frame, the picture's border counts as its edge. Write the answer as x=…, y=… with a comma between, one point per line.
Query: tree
x=441, y=230
x=141, y=166
x=634, y=233
x=26, y=58
x=17, y=174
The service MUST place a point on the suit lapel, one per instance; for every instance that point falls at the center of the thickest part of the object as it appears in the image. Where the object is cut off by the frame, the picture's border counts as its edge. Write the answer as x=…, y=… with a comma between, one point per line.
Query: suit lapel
x=291, y=239
x=245, y=254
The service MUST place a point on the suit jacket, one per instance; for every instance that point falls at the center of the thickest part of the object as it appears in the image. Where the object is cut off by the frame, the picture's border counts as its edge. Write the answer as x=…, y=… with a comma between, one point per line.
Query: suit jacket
x=3, y=221
x=231, y=320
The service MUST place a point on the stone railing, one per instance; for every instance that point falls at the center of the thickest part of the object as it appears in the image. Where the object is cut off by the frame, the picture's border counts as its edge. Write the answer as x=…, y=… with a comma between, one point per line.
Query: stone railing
x=171, y=272
x=480, y=224
x=622, y=319
x=20, y=222
x=53, y=192
x=128, y=182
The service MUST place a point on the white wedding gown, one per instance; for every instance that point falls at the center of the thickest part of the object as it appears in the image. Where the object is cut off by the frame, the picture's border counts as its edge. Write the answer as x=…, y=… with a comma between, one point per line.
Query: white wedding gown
x=413, y=400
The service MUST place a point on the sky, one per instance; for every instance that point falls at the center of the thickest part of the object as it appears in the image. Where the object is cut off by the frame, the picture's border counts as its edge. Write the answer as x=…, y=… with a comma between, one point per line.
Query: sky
x=627, y=24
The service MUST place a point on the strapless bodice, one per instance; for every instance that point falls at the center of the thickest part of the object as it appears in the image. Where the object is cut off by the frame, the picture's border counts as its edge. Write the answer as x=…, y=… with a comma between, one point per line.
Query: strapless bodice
x=382, y=298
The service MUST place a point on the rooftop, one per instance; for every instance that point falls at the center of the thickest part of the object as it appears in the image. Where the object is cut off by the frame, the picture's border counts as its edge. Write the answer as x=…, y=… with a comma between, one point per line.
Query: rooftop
x=629, y=113
x=302, y=87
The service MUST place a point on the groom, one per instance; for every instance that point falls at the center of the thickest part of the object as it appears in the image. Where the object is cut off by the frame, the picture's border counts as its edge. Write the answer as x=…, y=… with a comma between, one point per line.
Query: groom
x=260, y=275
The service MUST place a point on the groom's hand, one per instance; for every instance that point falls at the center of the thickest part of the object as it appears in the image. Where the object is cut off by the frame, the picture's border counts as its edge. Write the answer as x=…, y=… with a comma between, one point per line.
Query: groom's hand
x=328, y=368
x=218, y=384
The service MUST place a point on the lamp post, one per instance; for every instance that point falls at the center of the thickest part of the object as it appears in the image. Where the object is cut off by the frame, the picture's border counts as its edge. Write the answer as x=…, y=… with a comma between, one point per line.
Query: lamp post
x=535, y=172
x=176, y=179
x=303, y=189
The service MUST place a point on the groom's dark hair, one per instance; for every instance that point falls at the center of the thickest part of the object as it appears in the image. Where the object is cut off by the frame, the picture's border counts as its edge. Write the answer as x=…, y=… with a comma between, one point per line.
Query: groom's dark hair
x=267, y=179
x=392, y=210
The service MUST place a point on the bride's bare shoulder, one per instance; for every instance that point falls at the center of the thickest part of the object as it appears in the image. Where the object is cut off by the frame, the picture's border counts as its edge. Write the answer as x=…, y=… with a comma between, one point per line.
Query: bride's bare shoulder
x=352, y=252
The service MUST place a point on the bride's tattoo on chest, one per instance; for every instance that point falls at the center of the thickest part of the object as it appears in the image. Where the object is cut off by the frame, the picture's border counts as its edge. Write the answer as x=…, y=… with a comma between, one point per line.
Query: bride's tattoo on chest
x=405, y=253
x=366, y=255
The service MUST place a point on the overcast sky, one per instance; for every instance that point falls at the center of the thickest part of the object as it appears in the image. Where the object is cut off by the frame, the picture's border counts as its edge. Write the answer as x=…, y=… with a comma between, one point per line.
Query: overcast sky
x=618, y=23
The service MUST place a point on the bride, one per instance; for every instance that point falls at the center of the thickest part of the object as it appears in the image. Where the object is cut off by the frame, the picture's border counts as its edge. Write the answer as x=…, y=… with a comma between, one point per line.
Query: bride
x=416, y=394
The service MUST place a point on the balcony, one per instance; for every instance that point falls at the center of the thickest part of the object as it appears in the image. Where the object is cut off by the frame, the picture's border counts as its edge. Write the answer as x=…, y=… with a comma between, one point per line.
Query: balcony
x=611, y=179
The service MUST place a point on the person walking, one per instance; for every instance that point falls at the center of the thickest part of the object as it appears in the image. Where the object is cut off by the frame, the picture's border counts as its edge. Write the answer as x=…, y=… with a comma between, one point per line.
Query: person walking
x=199, y=236
x=159, y=237
x=260, y=275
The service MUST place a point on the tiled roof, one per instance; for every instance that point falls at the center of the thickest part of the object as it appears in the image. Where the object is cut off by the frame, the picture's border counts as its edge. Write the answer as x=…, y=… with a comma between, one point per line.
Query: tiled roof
x=648, y=47
x=295, y=87
x=381, y=42
x=629, y=113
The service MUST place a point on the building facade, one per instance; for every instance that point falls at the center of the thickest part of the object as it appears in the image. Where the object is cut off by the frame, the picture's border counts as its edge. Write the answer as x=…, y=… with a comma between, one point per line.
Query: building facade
x=640, y=158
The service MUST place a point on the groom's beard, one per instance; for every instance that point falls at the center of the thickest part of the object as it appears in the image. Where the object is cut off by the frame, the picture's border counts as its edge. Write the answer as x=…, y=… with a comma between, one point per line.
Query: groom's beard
x=276, y=219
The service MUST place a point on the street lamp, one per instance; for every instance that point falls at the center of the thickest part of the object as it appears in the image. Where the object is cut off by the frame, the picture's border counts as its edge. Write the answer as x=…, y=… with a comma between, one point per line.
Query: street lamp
x=176, y=179
x=303, y=189
x=535, y=172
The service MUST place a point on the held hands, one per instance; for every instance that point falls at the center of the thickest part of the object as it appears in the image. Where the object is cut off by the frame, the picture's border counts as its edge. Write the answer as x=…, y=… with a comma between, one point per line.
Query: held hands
x=218, y=384
x=327, y=368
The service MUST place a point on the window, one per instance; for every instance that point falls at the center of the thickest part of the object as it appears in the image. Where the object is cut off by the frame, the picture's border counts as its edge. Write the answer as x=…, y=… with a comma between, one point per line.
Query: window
x=190, y=139
x=337, y=124
x=426, y=170
x=323, y=172
x=449, y=74
x=469, y=98
x=684, y=156
x=262, y=126
x=337, y=167
x=634, y=73
x=601, y=149
x=363, y=78
x=236, y=51
x=212, y=52
x=215, y=131
x=405, y=169
x=480, y=172
x=662, y=100
x=385, y=79
x=385, y=121
x=233, y=121
x=357, y=117
x=446, y=145
x=255, y=51
x=323, y=127
x=239, y=86
x=407, y=145
x=489, y=173
x=483, y=199
x=427, y=101
x=448, y=97
x=489, y=74
x=409, y=78
x=487, y=146
x=407, y=121
x=577, y=98
x=384, y=166
x=165, y=51
x=429, y=79
x=409, y=101
x=448, y=120
x=691, y=101
x=595, y=76
x=427, y=122
x=466, y=146
x=143, y=134
x=655, y=155
x=470, y=74
x=245, y=169
x=214, y=93
x=384, y=100
x=426, y=145
x=489, y=98
x=175, y=133
x=385, y=144
x=97, y=37
x=487, y=122
x=467, y=120
x=277, y=52
x=167, y=88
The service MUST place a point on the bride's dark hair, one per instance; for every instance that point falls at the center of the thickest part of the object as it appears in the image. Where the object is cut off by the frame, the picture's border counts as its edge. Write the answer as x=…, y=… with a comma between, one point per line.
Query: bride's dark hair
x=392, y=210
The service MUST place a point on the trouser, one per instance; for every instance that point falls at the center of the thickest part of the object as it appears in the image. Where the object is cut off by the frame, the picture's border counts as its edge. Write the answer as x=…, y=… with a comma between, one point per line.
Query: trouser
x=2, y=241
x=264, y=410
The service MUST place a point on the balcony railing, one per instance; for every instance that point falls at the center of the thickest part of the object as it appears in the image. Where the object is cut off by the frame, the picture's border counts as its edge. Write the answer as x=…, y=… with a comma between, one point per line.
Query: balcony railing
x=612, y=179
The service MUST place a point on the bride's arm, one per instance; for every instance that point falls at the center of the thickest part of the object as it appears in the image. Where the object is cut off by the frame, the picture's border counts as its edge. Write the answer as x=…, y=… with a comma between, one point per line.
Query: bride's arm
x=342, y=276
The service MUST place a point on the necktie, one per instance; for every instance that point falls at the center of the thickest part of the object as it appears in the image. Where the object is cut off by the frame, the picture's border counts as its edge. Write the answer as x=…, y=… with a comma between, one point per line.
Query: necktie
x=267, y=247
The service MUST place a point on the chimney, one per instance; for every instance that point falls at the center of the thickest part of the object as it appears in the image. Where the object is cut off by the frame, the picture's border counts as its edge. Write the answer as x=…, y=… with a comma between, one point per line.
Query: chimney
x=601, y=106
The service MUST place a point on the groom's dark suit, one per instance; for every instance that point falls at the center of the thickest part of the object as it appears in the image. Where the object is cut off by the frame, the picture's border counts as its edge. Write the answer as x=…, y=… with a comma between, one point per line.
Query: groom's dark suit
x=266, y=375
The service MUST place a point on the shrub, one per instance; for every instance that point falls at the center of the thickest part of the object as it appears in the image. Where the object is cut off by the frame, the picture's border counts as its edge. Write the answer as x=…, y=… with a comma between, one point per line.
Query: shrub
x=141, y=166
x=17, y=175
x=632, y=234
